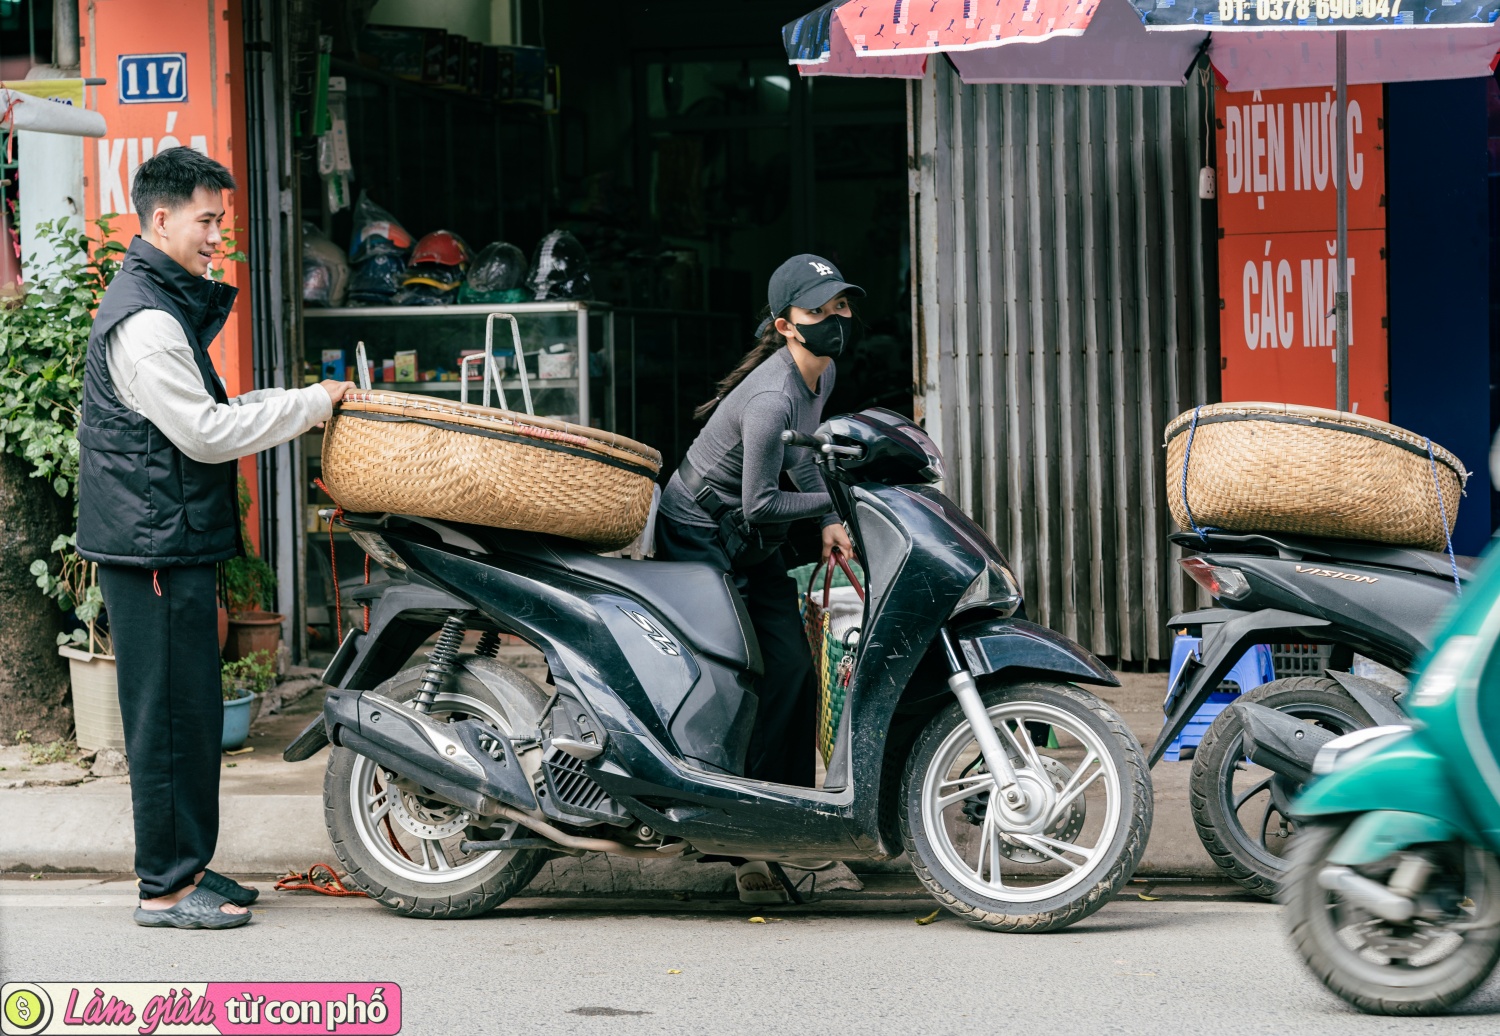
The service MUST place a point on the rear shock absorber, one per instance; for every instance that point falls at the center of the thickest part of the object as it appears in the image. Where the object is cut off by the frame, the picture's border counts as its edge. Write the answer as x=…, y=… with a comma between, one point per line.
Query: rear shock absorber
x=489, y=644
x=440, y=662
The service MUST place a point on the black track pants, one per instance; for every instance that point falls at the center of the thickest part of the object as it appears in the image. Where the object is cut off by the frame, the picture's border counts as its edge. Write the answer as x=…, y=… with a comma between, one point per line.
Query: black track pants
x=784, y=739
x=167, y=662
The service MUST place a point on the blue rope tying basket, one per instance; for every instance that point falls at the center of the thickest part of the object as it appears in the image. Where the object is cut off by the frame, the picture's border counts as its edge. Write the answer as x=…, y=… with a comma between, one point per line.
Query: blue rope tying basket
x=1276, y=467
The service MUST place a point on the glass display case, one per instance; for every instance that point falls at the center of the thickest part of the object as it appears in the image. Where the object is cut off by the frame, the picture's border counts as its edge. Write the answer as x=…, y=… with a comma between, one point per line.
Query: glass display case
x=567, y=349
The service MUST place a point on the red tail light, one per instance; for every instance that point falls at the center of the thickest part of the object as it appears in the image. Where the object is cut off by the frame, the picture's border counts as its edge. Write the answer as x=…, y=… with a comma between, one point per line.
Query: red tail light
x=1217, y=579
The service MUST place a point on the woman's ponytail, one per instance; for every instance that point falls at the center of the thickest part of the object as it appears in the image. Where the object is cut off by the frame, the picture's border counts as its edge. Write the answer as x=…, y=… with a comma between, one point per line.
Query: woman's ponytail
x=767, y=343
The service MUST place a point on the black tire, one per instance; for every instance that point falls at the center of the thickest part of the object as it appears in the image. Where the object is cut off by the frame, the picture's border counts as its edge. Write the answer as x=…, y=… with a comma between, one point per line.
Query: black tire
x=504, y=875
x=1242, y=854
x=1368, y=985
x=1104, y=877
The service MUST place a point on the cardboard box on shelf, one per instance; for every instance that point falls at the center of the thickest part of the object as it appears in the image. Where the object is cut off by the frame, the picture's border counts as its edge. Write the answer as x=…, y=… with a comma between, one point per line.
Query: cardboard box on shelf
x=406, y=365
x=388, y=371
x=474, y=67
x=333, y=364
x=553, y=366
x=435, y=59
x=397, y=49
x=523, y=75
x=456, y=62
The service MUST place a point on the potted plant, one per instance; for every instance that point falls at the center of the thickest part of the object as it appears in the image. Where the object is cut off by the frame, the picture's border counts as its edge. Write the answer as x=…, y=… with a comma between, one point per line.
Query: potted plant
x=245, y=679
x=249, y=585
x=91, y=660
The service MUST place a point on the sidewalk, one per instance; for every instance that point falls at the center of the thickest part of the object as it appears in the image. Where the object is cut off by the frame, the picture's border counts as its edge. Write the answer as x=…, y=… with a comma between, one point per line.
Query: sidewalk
x=272, y=817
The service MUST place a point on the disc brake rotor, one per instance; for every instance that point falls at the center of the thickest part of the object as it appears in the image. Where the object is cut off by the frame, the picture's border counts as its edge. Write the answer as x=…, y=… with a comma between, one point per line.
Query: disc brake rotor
x=428, y=821
x=1065, y=828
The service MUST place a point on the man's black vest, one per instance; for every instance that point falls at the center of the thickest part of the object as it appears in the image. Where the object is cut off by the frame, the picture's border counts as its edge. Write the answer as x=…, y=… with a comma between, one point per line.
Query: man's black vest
x=141, y=500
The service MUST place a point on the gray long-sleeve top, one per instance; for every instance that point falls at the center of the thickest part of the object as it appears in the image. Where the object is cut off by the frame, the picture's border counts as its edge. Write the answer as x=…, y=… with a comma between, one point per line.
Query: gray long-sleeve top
x=740, y=452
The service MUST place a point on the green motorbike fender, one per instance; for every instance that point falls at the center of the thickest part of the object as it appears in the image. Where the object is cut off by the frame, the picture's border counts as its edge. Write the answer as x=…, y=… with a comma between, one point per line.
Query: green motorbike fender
x=1405, y=794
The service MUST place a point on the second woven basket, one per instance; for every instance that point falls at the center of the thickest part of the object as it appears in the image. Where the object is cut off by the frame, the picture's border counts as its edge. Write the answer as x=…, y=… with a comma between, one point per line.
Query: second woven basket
x=410, y=454
x=1277, y=467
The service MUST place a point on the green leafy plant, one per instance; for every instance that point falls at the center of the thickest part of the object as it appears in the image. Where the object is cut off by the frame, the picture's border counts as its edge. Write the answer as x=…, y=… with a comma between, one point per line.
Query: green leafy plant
x=249, y=583
x=232, y=252
x=75, y=588
x=43, y=337
x=255, y=672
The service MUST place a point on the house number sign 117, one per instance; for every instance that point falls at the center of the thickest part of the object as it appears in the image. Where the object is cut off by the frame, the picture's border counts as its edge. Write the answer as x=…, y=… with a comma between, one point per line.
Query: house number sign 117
x=149, y=78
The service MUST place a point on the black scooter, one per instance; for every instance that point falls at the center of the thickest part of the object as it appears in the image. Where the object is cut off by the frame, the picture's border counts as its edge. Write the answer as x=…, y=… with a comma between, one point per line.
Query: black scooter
x=1022, y=801
x=1379, y=601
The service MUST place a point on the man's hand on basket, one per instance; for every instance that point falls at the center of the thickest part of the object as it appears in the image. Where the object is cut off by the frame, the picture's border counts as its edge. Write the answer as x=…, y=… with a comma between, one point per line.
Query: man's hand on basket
x=336, y=389
x=835, y=535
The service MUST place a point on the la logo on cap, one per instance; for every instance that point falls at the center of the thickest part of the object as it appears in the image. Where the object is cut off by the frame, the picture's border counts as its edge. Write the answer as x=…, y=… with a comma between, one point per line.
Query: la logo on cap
x=823, y=270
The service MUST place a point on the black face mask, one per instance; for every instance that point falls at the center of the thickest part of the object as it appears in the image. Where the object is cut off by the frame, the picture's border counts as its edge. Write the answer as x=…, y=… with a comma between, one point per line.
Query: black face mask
x=829, y=336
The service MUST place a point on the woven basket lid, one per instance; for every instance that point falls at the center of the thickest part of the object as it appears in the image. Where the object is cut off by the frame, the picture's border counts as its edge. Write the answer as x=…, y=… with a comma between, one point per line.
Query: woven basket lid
x=1312, y=416
x=483, y=418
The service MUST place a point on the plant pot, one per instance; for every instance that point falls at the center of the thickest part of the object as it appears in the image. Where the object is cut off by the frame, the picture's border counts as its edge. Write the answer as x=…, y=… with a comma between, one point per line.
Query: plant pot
x=237, y=715
x=223, y=627
x=96, y=700
x=250, y=632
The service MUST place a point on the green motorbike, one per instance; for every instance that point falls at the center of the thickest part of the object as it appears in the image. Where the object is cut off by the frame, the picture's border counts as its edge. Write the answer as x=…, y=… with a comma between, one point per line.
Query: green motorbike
x=1394, y=891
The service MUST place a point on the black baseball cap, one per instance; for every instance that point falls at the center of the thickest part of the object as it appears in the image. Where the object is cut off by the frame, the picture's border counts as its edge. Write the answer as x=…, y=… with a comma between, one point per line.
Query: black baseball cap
x=807, y=281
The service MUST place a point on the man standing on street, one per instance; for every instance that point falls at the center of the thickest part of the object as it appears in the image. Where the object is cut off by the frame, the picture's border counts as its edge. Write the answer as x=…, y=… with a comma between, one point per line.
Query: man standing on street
x=158, y=510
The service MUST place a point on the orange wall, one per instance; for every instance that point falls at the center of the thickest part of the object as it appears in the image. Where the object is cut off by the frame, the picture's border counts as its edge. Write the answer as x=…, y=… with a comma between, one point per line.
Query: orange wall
x=211, y=119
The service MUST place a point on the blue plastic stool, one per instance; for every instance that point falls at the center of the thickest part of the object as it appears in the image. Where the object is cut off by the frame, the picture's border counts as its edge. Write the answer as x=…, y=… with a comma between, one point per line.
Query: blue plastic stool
x=1253, y=669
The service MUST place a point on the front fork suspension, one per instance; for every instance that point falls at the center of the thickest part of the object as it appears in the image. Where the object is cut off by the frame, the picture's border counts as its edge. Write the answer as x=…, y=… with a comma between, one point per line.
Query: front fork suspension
x=996, y=758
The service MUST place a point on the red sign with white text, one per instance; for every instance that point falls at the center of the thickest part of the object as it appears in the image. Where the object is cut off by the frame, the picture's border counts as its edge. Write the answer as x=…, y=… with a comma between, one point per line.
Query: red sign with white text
x=1277, y=214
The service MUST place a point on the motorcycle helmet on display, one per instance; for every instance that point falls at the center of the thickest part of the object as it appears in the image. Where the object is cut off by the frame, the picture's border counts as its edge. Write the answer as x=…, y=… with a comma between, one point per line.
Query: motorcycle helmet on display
x=435, y=272
x=497, y=276
x=376, y=232
x=560, y=269
x=375, y=279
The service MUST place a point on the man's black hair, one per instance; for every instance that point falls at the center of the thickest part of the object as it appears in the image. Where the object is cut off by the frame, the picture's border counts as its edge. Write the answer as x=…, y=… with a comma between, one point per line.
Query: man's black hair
x=169, y=178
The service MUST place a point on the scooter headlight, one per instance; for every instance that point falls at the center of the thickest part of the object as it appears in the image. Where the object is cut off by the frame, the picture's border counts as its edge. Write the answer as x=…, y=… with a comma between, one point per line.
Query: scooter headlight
x=994, y=588
x=1441, y=675
x=379, y=549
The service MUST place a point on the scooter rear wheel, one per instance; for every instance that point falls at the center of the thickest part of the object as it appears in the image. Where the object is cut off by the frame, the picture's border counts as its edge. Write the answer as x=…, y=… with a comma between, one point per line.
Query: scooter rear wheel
x=1237, y=806
x=1420, y=967
x=1072, y=844
x=404, y=849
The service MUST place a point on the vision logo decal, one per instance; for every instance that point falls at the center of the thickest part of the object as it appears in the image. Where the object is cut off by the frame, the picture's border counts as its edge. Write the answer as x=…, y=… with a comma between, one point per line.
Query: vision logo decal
x=654, y=633
x=1328, y=573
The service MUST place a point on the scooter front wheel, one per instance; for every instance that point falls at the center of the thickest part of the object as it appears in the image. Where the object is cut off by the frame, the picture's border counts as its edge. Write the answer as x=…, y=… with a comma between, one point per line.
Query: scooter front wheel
x=1074, y=839
x=1420, y=966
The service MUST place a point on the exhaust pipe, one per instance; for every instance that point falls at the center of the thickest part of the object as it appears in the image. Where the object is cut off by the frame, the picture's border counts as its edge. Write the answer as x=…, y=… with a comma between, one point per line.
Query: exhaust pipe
x=467, y=763
x=1281, y=743
x=1366, y=894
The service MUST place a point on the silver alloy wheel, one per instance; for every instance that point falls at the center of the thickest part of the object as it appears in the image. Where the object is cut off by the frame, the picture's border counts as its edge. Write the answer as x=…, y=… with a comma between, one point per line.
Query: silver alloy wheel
x=954, y=778
x=433, y=830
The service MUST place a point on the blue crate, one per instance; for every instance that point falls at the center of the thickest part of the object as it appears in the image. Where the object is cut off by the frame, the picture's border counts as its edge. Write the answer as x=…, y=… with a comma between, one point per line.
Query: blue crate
x=1253, y=669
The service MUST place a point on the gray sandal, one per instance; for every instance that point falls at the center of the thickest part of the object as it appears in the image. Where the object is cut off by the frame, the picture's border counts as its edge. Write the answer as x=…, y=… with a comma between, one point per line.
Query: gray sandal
x=198, y=909
x=230, y=889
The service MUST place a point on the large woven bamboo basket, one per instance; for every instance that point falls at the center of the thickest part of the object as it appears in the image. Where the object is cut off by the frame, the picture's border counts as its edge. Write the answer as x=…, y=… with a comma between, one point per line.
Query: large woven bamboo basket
x=410, y=454
x=1276, y=467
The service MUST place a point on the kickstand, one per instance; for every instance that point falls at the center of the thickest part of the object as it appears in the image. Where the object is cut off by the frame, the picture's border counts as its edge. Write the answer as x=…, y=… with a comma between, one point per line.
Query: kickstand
x=786, y=882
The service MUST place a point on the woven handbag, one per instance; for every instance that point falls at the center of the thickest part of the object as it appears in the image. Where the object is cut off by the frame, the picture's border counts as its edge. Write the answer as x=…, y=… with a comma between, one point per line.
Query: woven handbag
x=410, y=454
x=1276, y=467
x=833, y=663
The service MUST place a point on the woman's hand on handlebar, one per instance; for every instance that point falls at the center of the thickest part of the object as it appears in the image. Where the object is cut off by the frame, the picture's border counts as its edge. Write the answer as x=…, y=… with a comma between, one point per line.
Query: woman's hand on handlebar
x=835, y=535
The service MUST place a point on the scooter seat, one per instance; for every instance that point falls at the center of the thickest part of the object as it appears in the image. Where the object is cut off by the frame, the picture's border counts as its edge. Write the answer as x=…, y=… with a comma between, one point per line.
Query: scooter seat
x=700, y=602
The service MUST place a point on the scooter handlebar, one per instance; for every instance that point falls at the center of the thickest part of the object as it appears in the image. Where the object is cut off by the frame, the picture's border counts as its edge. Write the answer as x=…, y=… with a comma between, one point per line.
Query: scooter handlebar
x=806, y=442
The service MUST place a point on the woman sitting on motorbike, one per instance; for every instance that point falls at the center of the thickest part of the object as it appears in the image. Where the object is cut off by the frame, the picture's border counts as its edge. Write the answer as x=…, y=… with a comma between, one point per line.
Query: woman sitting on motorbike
x=724, y=506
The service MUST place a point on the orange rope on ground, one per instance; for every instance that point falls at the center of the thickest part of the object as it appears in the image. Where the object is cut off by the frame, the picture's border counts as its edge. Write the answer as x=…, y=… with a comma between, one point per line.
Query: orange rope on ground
x=329, y=885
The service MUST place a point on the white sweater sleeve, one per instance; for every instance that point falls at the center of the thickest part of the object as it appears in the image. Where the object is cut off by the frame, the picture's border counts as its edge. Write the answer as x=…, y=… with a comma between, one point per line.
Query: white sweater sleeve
x=151, y=364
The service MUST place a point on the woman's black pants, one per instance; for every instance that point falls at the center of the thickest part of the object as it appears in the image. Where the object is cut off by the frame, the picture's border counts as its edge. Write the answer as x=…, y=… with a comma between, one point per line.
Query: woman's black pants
x=164, y=627
x=782, y=744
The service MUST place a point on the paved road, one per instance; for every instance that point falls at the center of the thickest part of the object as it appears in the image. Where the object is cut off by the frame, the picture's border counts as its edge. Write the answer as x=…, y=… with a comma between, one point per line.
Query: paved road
x=1188, y=965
